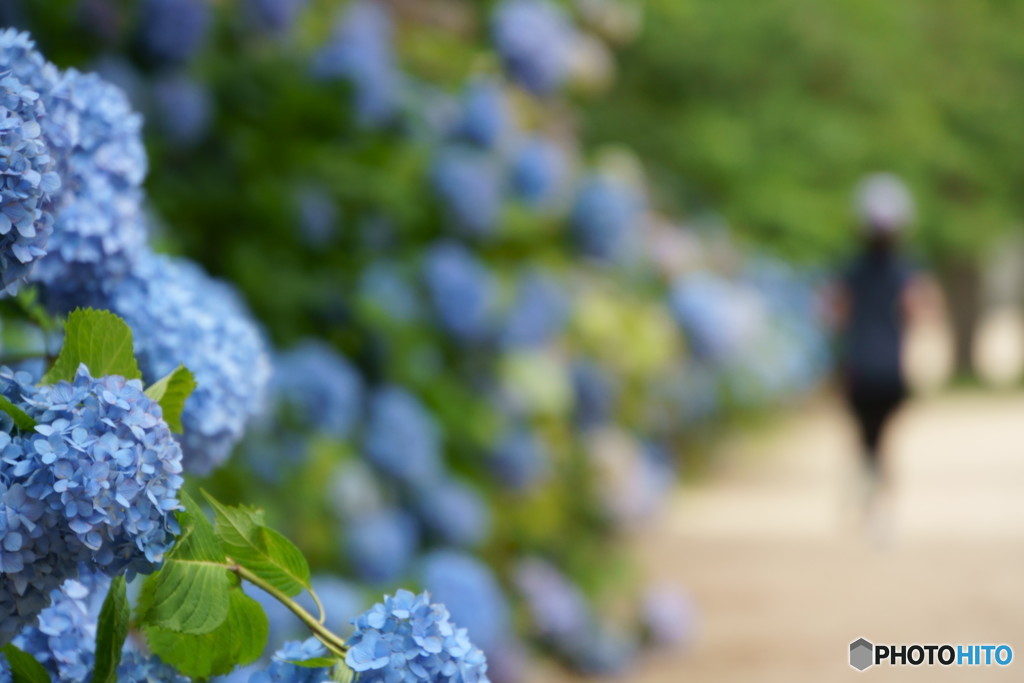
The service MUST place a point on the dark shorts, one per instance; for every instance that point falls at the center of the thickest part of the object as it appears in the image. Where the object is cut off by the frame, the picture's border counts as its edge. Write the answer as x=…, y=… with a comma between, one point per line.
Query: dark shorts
x=873, y=407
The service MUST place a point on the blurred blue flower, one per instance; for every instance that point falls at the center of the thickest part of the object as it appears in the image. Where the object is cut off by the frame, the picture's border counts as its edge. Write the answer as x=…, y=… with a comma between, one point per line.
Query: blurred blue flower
x=361, y=53
x=136, y=667
x=381, y=544
x=409, y=639
x=606, y=650
x=520, y=460
x=181, y=316
x=28, y=169
x=484, y=115
x=318, y=388
x=534, y=38
x=401, y=437
x=469, y=185
x=99, y=231
x=717, y=315
x=538, y=313
x=470, y=592
x=182, y=108
x=273, y=16
x=171, y=32
x=461, y=290
x=454, y=513
x=602, y=216
x=668, y=616
x=539, y=170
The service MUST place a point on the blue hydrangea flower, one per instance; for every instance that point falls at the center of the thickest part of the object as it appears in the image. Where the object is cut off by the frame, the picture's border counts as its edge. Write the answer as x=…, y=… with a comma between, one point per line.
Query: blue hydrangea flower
x=602, y=215
x=182, y=108
x=180, y=315
x=64, y=639
x=718, y=316
x=462, y=292
x=534, y=38
x=273, y=16
x=469, y=185
x=605, y=650
x=485, y=114
x=470, y=592
x=401, y=437
x=171, y=32
x=95, y=482
x=99, y=230
x=520, y=460
x=381, y=544
x=28, y=178
x=538, y=313
x=5, y=671
x=409, y=639
x=282, y=671
x=318, y=388
x=595, y=395
x=360, y=52
x=454, y=513
x=539, y=170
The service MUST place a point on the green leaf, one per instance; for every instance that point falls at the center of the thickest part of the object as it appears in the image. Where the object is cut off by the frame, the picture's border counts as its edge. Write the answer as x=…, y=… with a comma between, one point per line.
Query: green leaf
x=22, y=420
x=170, y=392
x=100, y=340
x=240, y=640
x=315, y=663
x=259, y=548
x=24, y=667
x=111, y=632
x=189, y=594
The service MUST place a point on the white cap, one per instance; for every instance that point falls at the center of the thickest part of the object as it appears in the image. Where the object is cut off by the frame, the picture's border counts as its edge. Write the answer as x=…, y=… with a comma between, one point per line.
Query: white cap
x=883, y=203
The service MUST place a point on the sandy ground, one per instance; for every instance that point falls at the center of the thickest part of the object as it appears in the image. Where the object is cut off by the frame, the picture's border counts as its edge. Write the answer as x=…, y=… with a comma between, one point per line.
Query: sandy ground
x=784, y=578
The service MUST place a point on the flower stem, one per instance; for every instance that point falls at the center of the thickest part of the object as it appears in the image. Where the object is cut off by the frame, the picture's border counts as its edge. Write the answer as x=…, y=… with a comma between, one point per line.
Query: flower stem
x=333, y=643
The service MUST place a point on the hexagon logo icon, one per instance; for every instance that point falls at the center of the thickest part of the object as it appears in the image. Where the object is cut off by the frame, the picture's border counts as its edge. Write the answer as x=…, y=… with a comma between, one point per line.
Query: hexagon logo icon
x=861, y=654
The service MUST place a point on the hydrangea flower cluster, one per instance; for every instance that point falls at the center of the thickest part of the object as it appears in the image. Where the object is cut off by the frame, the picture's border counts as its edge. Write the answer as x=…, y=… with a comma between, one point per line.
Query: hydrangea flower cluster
x=273, y=16
x=534, y=38
x=602, y=216
x=180, y=315
x=182, y=107
x=595, y=394
x=401, y=438
x=361, y=53
x=28, y=179
x=318, y=388
x=409, y=639
x=519, y=460
x=99, y=230
x=461, y=290
x=719, y=317
x=469, y=184
x=96, y=482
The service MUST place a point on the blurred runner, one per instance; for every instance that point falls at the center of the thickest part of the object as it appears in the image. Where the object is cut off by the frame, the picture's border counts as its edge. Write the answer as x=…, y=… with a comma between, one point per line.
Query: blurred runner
x=877, y=294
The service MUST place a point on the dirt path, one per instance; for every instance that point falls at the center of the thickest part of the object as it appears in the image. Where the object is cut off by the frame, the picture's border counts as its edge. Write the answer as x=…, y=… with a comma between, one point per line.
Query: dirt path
x=783, y=583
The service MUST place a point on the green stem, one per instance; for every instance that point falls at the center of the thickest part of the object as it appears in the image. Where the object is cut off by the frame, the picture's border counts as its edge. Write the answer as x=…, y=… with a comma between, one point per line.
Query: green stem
x=323, y=634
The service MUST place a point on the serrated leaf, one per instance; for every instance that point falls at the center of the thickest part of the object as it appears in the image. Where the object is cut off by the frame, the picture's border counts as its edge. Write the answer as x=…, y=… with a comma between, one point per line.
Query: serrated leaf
x=189, y=594
x=24, y=667
x=111, y=632
x=170, y=392
x=22, y=420
x=100, y=340
x=240, y=640
x=259, y=548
